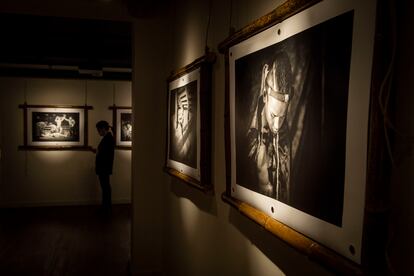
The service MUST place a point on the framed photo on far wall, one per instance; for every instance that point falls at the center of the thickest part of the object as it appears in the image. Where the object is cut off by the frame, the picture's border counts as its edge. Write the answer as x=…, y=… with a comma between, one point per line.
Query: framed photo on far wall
x=55, y=127
x=122, y=126
x=298, y=132
x=189, y=131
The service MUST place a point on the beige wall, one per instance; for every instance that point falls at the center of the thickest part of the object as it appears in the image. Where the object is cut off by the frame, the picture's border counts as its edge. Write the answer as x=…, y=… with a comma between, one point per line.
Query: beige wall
x=33, y=178
x=149, y=184
x=205, y=236
x=178, y=229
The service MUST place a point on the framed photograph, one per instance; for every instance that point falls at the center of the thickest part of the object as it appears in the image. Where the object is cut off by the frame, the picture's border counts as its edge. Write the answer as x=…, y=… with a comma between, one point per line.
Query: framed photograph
x=298, y=117
x=188, y=134
x=122, y=126
x=55, y=127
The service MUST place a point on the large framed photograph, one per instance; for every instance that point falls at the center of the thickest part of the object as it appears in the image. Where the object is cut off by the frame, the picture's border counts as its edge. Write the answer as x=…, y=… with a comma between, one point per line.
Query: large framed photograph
x=298, y=110
x=188, y=134
x=122, y=126
x=55, y=127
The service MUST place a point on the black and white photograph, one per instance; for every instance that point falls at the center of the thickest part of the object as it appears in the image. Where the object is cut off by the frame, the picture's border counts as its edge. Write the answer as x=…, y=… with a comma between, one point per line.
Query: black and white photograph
x=126, y=126
x=298, y=107
x=188, y=150
x=54, y=126
x=183, y=124
x=122, y=126
x=290, y=118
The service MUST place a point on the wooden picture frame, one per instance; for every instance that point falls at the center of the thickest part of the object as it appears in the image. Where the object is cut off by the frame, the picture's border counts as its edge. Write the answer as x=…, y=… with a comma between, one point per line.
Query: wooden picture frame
x=55, y=127
x=188, y=123
x=122, y=126
x=300, y=160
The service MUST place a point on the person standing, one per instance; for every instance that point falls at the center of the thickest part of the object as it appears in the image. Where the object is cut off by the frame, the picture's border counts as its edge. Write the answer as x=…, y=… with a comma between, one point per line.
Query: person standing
x=104, y=162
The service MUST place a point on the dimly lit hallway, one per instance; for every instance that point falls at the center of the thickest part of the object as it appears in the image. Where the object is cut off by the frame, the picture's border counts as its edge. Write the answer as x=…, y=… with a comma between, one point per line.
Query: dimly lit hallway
x=64, y=241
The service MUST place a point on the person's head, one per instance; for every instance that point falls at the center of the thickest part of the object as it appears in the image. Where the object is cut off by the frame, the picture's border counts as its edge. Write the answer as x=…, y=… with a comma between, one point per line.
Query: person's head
x=102, y=127
x=277, y=91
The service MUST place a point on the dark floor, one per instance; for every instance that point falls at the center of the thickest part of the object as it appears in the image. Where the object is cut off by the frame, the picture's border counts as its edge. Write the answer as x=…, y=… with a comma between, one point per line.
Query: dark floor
x=56, y=241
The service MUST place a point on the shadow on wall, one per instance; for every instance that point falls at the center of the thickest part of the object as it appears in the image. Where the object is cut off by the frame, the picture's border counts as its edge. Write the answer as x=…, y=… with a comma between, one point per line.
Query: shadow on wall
x=203, y=201
x=276, y=250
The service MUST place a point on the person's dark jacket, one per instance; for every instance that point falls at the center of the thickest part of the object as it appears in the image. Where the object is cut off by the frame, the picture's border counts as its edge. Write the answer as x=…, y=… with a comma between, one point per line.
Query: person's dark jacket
x=105, y=155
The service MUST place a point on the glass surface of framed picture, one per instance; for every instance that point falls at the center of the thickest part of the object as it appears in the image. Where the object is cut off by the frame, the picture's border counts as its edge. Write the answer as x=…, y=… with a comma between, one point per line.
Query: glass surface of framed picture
x=123, y=127
x=298, y=101
x=55, y=126
x=188, y=134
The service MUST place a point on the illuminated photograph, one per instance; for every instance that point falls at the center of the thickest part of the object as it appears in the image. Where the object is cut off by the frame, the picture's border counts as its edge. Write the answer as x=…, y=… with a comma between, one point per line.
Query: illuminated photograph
x=183, y=124
x=122, y=126
x=188, y=156
x=49, y=127
x=290, y=118
x=298, y=107
x=126, y=126
x=55, y=126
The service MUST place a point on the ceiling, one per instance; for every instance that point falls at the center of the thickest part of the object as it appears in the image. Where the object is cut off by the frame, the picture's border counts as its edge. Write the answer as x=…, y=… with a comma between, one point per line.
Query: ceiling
x=47, y=46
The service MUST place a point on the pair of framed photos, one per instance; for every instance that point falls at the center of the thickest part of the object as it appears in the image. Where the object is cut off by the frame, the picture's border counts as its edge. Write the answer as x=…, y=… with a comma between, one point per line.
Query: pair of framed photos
x=303, y=131
x=53, y=127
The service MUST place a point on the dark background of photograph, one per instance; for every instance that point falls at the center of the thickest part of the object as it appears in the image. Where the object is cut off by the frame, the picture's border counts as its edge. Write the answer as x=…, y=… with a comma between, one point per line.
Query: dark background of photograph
x=126, y=118
x=189, y=159
x=320, y=60
x=49, y=117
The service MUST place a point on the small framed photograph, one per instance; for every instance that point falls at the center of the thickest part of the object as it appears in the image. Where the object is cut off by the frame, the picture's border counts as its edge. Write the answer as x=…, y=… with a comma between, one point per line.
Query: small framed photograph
x=298, y=105
x=188, y=134
x=122, y=126
x=55, y=127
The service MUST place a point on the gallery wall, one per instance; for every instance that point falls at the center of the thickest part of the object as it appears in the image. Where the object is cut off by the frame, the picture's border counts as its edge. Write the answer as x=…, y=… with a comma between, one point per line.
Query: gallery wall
x=177, y=229
x=43, y=178
x=199, y=234
x=151, y=46
x=205, y=236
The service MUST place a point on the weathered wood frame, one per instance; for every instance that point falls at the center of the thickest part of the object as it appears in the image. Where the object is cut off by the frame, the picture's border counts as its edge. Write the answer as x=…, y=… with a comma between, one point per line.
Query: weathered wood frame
x=46, y=147
x=375, y=230
x=203, y=63
x=115, y=126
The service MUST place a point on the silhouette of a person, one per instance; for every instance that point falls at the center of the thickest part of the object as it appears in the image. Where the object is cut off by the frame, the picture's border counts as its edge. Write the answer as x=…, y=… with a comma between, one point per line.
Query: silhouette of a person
x=104, y=163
